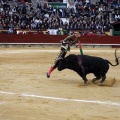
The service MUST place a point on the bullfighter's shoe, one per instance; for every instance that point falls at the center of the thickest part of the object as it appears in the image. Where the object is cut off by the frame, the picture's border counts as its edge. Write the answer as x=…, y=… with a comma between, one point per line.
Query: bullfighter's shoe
x=49, y=72
x=48, y=76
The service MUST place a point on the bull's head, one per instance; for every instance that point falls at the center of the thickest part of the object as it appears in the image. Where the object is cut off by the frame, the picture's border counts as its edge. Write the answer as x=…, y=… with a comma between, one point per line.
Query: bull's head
x=62, y=64
x=68, y=62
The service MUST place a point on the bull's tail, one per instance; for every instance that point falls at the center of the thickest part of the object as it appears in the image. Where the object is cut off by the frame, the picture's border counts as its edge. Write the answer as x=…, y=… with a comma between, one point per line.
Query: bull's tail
x=116, y=59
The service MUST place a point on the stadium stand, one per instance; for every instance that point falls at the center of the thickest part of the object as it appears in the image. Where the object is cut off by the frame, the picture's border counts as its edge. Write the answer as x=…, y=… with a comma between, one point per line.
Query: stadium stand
x=78, y=15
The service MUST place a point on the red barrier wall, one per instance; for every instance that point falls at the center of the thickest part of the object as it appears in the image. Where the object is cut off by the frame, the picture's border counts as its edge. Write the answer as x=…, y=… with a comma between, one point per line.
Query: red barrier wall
x=41, y=38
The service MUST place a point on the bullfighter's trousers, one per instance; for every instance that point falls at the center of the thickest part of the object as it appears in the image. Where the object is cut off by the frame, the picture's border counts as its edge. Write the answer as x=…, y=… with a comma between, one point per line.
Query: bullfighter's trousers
x=60, y=55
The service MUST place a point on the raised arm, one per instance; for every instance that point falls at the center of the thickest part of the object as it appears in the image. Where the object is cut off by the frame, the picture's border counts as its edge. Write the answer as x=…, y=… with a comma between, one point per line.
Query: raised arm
x=68, y=38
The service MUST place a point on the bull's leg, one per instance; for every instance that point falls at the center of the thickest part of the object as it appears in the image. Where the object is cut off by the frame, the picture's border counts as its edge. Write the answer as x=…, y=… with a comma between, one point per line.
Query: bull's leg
x=86, y=81
x=95, y=79
x=84, y=76
x=98, y=77
x=103, y=79
x=103, y=70
x=60, y=55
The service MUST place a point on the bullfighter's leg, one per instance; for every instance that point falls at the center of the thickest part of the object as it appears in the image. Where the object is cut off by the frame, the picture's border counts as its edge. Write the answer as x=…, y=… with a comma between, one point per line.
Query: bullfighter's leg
x=60, y=55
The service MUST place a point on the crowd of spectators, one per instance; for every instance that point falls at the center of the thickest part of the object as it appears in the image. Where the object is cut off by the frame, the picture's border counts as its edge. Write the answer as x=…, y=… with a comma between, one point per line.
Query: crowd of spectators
x=83, y=16
x=55, y=0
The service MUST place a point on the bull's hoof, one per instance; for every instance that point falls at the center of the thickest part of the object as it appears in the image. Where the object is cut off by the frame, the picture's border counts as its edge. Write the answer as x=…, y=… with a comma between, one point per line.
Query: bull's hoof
x=93, y=81
x=100, y=84
x=48, y=76
x=86, y=83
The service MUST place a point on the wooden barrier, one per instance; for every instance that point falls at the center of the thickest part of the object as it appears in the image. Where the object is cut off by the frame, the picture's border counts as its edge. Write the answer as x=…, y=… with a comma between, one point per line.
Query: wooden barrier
x=30, y=38
x=55, y=39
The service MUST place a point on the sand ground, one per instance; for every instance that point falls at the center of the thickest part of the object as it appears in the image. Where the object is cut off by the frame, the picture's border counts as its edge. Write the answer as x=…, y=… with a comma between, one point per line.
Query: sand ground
x=26, y=93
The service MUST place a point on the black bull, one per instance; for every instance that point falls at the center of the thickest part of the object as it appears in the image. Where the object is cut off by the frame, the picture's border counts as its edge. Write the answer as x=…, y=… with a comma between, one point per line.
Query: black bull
x=84, y=64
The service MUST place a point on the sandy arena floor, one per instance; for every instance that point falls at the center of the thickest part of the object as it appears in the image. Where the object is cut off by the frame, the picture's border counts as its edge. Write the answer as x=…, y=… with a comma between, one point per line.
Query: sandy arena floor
x=26, y=93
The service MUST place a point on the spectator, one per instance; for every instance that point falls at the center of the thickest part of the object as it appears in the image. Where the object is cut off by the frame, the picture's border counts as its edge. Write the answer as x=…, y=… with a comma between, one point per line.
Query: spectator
x=84, y=16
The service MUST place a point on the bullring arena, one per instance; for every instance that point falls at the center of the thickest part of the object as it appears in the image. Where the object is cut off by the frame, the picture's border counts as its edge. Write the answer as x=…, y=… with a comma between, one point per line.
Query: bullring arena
x=27, y=94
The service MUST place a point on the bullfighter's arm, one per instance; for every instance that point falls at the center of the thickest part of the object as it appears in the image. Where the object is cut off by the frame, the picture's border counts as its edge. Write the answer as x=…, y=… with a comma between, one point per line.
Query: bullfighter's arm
x=76, y=40
x=68, y=38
